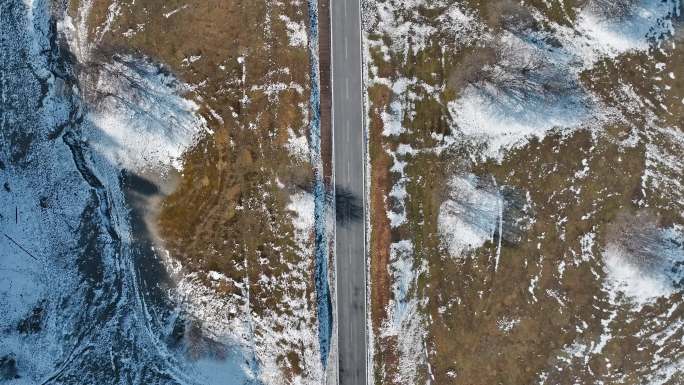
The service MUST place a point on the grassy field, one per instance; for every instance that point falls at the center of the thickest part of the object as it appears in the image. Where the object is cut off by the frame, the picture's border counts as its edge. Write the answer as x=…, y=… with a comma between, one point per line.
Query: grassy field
x=511, y=311
x=229, y=212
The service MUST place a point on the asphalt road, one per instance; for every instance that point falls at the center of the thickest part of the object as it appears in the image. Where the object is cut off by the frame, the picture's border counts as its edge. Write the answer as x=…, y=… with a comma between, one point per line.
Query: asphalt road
x=349, y=160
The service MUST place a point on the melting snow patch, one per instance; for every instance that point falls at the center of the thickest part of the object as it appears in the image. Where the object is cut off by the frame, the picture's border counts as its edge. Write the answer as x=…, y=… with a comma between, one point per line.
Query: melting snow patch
x=400, y=21
x=398, y=194
x=610, y=36
x=644, y=278
x=392, y=119
x=630, y=280
x=302, y=204
x=173, y=12
x=530, y=91
x=404, y=320
x=665, y=167
x=506, y=324
x=401, y=255
x=470, y=216
x=461, y=24
x=217, y=276
x=296, y=32
x=191, y=59
x=298, y=146
x=505, y=123
x=143, y=121
x=405, y=33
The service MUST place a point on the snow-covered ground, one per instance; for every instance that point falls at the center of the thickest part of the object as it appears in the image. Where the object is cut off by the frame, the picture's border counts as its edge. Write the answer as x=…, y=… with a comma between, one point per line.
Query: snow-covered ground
x=80, y=303
x=68, y=264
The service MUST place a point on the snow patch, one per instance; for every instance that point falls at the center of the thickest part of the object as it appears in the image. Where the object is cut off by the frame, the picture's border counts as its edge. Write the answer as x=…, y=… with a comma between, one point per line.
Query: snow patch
x=470, y=216
x=404, y=320
x=173, y=12
x=143, y=120
x=298, y=146
x=400, y=21
x=296, y=32
x=606, y=35
x=630, y=280
x=302, y=205
x=644, y=279
x=532, y=90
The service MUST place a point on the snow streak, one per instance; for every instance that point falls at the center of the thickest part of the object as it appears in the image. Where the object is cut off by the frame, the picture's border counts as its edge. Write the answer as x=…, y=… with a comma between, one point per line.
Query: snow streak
x=320, y=204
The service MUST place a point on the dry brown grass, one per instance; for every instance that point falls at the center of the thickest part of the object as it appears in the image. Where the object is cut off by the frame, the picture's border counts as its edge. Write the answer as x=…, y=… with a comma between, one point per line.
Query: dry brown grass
x=380, y=230
x=227, y=214
x=467, y=298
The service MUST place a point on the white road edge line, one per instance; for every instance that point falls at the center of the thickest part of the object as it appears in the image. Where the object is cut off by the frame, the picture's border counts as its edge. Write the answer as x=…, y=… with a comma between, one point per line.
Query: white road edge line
x=334, y=192
x=366, y=219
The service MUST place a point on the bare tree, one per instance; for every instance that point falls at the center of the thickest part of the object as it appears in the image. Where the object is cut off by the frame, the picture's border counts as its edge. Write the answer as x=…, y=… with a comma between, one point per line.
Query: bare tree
x=469, y=70
x=644, y=244
x=518, y=73
x=487, y=207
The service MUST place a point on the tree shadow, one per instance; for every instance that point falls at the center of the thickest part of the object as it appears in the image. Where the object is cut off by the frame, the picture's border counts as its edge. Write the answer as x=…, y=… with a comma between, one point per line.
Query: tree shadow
x=140, y=194
x=348, y=206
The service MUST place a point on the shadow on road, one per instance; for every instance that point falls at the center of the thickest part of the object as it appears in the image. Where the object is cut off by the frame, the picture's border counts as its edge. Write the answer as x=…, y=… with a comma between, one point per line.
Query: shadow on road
x=348, y=207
